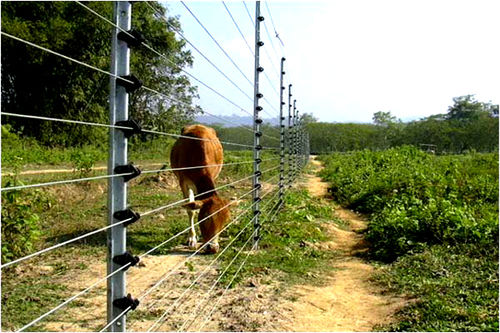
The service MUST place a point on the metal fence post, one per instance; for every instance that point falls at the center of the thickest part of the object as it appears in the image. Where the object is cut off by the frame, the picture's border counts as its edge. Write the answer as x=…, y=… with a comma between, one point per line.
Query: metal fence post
x=117, y=188
x=297, y=145
x=282, y=135
x=256, y=125
x=289, y=135
x=294, y=139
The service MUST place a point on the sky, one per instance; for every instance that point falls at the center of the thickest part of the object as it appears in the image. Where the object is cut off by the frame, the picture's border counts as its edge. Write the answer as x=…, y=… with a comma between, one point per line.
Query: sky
x=349, y=59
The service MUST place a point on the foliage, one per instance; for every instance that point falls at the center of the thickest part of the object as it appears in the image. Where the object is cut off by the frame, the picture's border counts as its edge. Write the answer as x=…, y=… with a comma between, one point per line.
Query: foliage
x=468, y=125
x=20, y=224
x=38, y=83
x=456, y=287
x=244, y=136
x=417, y=199
x=288, y=243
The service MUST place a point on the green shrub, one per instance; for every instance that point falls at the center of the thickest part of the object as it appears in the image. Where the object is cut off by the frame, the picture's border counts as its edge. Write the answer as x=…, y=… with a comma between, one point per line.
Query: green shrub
x=416, y=199
x=20, y=225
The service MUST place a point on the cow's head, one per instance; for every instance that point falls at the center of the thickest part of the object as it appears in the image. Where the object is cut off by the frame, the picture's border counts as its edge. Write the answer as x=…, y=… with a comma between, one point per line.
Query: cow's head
x=215, y=213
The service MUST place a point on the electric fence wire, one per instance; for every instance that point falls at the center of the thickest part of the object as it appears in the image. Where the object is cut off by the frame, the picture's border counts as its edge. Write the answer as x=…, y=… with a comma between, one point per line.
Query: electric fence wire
x=207, y=293
x=217, y=43
x=127, y=265
x=128, y=81
x=238, y=27
x=70, y=121
x=230, y=283
x=168, y=274
x=223, y=50
x=201, y=53
x=124, y=221
x=202, y=273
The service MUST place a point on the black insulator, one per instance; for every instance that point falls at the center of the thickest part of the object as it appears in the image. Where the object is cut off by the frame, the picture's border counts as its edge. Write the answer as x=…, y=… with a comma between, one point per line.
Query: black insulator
x=283, y=59
x=135, y=128
x=133, y=38
x=126, y=258
x=260, y=43
x=127, y=214
x=126, y=302
x=259, y=108
x=259, y=95
x=128, y=168
x=260, y=18
x=258, y=121
x=260, y=69
x=258, y=134
x=258, y=173
x=129, y=82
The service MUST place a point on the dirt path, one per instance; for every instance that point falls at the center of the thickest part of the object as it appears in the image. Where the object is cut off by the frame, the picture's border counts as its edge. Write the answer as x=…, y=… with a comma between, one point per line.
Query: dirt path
x=348, y=301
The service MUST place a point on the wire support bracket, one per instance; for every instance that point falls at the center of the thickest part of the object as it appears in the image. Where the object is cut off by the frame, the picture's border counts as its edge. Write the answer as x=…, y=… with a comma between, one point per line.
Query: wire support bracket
x=127, y=215
x=130, y=171
x=126, y=303
x=126, y=259
x=130, y=82
x=132, y=37
x=132, y=127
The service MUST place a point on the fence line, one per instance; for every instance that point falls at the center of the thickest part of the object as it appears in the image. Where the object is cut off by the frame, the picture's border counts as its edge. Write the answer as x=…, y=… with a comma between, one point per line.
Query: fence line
x=296, y=147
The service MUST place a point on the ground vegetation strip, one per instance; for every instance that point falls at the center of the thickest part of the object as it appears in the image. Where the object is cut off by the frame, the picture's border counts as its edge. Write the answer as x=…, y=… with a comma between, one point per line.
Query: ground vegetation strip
x=435, y=219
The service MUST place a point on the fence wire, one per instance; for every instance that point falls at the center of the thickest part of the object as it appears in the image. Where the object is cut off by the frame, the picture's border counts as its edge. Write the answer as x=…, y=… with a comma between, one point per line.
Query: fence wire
x=269, y=214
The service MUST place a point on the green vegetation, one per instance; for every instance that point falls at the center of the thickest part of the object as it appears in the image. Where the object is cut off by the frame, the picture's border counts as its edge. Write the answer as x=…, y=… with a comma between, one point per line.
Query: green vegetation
x=76, y=92
x=455, y=288
x=289, y=248
x=467, y=126
x=436, y=219
x=417, y=199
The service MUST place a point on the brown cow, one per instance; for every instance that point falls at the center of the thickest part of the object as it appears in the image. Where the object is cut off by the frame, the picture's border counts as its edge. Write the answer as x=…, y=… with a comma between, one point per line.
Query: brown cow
x=191, y=153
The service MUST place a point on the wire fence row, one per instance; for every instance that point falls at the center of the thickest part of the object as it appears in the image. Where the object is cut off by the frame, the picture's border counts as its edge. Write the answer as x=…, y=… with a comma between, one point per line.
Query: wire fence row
x=293, y=142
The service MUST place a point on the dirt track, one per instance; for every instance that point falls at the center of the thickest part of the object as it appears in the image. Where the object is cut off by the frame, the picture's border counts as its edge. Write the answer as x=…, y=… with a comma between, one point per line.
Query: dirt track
x=349, y=301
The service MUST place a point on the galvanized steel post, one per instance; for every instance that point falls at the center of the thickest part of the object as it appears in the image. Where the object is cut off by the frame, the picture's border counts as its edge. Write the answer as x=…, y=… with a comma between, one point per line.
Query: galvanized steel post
x=294, y=140
x=256, y=125
x=117, y=188
x=282, y=135
x=289, y=135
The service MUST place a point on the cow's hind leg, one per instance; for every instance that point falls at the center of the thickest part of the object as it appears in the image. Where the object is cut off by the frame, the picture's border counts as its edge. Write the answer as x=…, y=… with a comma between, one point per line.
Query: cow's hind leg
x=192, y=241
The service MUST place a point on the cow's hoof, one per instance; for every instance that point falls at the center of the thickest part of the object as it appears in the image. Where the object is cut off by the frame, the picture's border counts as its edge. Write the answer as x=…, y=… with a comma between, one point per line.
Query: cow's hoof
x=192, y=243
x=212, y=248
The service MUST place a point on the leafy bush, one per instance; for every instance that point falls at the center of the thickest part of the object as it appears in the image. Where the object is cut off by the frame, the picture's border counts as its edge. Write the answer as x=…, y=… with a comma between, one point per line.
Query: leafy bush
x=417, y=199
x=20, y=225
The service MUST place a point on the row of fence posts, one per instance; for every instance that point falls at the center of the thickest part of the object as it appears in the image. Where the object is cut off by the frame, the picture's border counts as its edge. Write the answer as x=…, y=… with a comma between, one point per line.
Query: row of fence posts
x=294, y=142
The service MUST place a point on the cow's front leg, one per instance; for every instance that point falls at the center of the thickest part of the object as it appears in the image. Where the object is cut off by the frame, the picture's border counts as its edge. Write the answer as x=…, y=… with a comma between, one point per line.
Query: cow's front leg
x=192, y=232
x=213, y=245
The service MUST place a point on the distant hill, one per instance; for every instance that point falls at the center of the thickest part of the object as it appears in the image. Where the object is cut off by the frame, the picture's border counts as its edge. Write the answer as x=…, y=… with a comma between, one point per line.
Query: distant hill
x=232, y=120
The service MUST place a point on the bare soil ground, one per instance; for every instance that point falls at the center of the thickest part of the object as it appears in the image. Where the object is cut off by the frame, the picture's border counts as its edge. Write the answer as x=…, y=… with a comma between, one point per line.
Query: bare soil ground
x=348, y=301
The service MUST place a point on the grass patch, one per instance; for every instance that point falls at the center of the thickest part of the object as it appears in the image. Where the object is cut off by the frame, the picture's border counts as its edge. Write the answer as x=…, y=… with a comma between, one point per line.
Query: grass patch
x=288, y=248
x=456, y=289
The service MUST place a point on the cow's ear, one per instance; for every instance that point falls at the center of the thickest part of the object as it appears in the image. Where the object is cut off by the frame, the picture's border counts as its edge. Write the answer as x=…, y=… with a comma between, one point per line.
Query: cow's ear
x=193, y=204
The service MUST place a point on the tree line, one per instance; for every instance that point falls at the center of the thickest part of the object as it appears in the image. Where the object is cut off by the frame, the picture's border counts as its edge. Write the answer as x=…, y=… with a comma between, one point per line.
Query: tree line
x=468, y=125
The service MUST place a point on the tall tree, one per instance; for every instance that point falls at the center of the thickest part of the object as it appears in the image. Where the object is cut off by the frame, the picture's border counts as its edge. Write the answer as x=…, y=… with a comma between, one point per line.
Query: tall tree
x=38, y=83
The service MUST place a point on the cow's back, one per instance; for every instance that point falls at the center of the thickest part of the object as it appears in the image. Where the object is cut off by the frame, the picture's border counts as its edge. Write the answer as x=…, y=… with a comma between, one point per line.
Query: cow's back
x=192, y=153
